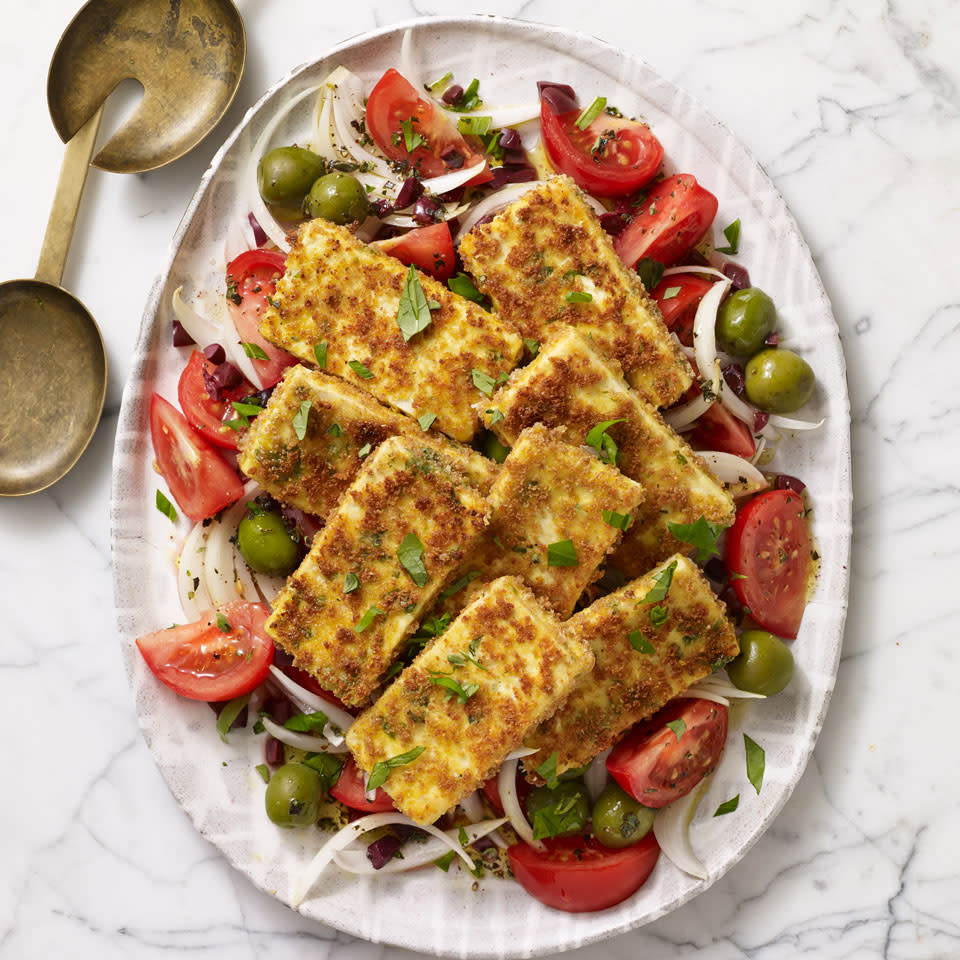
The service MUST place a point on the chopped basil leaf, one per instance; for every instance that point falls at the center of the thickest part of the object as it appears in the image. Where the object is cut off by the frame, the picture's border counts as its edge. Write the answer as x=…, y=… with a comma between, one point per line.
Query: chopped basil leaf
x=364, y=450
x=591, y=113
x=483, y=381
x=658, y=615
x=732, y=233
x=463, y=691
x=253, y=350
x=756, y=762
x=475, y=126
x=650, y=272
x=264, y=772
x=639, y=642
x=381, y=770
x=307, y=722
x=351, y=582
x=367, y=619
x=335, y=430
x=670, y=293
x=728, y=806
x=246, y=410
x=426, y=421
x=359, y=369
x=429, y=629
x=562, y=554
x=532, y=345
x=328, y=766
x=223, y=624
x=464, y=287
x=619, y=520
x=229, y=714
x=557, y=817
x=548, y=770
x=603, y=443
x=661, y=585
x=320, y=352
x=166, y=507
x=411, y=139
x=440, y=84
x=413, y=312
x=579, y=296
x=462, y=659
x=678, y=727
x=701, y=534
x=258, y=726
x=301, y=418
x=444, y=862
x=410, y=555
x=458, y=585
x=495, y=415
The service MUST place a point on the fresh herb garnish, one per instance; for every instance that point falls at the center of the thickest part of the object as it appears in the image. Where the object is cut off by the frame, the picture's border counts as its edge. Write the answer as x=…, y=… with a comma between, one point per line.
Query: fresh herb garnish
x=458, y=585
x=264, y=772
x=367, y=619
x=679, y=727
x=364, y=450
x=229, y=714
x=578, y=296
x=440, y=84
x=591, y=113
x=661, y=584
x=301, y=418
x=495, y=415
x=411, y=139
x=650, y=272
x=670, y=293
x=618, y=520
x=463, y=691
x=756, y=762
x=426, y=421
x=335, y=430
x=732, y=233
x=639, y=642
x=464, y=287
x=223, y=624
x=245, y=411
x=320, y=352
x=381, y=770
x=166, y=507
x=328, y=766
x=548, y=770
x=475, y=126
x=557, y=817
x=410, y=555
x=603, y=443
x=658, y=615
x=444, y=862
x=253, y=350
x=728, y=806
x=351, y=582
x=429, y=629
x=307, y=722
x=483, y=381
x=413, y=312
x=462, y=659
x=532, y=345
x=359, y=369
x=562, y=554
x=701, y=534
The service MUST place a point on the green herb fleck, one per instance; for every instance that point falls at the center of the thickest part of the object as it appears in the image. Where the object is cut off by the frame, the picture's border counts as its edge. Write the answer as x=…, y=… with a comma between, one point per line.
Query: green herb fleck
x=351, y=582
x=557, y=817
x=364, y=450
x=411, y=139
x=620, y=521
x=728, y=806
x=229, y=714
x=661, y=584
x=475, y=126
x=464, y=287
x=579, y=296
x=658, y=616
x=410, y=555
x=359, y=369
x=562, y=554
x=603, y=443
x=320, y=352
x=670, y=293
x=458, y=585
x=367, y=619
x=223, y=624
x=678, y=727
x=650, y=272
x=639, y=642
x=166, y=507
x=253, y=350
x=264, y=772
x=756, y=762
x=701, y=534
x=495, y=415
x=307, y=722
x=444, y=862
x=426, y=421
x=732, y=233
x=301, y=418
x=440, y=84
x=335, y=430
x=483, y=381
x=462, y=691
x=532, y=345
x=328, y=766
x=413, y=313
x=548, y=770
x=381, y=770
x=591, y=113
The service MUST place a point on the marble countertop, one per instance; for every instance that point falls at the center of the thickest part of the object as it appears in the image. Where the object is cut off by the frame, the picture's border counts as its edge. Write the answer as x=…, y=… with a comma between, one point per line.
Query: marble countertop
x=854, y=111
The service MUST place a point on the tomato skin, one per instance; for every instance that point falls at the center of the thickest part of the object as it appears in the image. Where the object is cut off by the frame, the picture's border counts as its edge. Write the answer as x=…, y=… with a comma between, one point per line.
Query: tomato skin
x=392, y=101
x=629, y=161
x=428, y=248
x=199, y=661
x=769, y=547
x=719, y=429
x=674, y=218
x=201, y=481
x=679, y=310
x=309, y=682
x=491, y=790
x=579, y=875
x=205, y=415
x=349, y=791
x=254, y=274
x=654, y=767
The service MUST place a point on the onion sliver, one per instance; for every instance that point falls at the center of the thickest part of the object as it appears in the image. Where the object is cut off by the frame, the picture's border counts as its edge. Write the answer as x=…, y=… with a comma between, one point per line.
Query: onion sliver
x=191, y=579
x=492, y=203
x=218, y=565
x=507, y=787
x=450, y=210
x=357, y=861
x=472, y=806
x=705, y=333
x=691, y=268
x=739, y=476
x=680, y=417
x=596, y=776
x=347, y=93
x=239, y=238
x=720, y=684
x=511, y=116
x=203, y=331
x=337, y=716
x=671, y=827
x=406, y=60
x=232, y=343
x=268, y=586
x=302, y=741
x=739, y=408
x=788, y=423
x=323, y=143
x=349, y=833
x=243, y=575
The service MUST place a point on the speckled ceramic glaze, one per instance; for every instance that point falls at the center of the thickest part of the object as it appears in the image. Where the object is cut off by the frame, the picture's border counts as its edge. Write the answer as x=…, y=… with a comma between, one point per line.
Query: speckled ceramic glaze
x=216, y=783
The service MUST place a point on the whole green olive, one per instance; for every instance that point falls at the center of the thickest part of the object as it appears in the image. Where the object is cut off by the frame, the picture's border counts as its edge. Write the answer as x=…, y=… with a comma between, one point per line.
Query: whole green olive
x=285, y=176
x=493, y=448
x=558, y=811
x=778, y=380
x=764, y=665
x=745, y=319
x=618, y=819
x=338, y=197
x=293, y=795
x=266, y=544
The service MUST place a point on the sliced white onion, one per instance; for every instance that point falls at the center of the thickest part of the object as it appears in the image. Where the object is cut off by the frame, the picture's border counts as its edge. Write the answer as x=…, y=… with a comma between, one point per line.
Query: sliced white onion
x=758, y=453
x=406, y=60
x=243, y=578
x=194, y=598
x=702, y=693
x=789, y=423
x=705, y=333
x=736, y=405
x=309, y=702
x=239, y=238
x=507, y=787
x=492, y=203
x=302, y=741
x=203, y=331
x=231, y=342
x=682, y=416
x=453, y=179
x=739, y=476
x=450, y=210
x=218, y=566
x=709, y=271
x=521, y=752
x=268, y=586
x=323, y=144
x=596, y=776
x=415, y=856
x=347, y=94
x=511, y=116
x=472, y=806
x=671, y=827
x=720, y=684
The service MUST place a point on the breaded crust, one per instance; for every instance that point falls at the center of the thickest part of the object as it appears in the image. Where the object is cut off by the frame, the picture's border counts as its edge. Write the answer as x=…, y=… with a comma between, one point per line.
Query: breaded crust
x=547, y=246
x=344, y=426
x=524, y=663
x=340, y=291
x=626, y=684
x=570, y=383
x=548, y=491
x=403, y=487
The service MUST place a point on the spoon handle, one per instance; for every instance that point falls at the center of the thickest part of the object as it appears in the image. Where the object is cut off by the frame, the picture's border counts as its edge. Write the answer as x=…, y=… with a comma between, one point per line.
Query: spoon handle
x=66, y=201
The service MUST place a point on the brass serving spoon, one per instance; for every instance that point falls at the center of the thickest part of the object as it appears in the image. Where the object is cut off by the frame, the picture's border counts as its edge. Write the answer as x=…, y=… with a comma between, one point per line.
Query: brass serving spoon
x=188, y=55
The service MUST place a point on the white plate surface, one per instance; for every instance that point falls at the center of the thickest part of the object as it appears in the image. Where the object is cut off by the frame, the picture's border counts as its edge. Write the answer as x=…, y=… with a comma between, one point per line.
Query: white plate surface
x=430, y=911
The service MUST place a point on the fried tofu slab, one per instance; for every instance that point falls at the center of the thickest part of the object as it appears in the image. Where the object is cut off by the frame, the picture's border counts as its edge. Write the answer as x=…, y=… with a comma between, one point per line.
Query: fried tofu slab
x=569, y=383
x=547, y=521
x=646, y=651
x=344, y=426
x=545, y=260
x=503, y=666
x=341, y=292
x=345, y=613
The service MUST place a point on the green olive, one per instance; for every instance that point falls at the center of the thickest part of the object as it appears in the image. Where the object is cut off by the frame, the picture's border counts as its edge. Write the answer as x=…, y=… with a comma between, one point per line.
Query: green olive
x=285, y=176
x=765, y=663
x=559, y=811
x=293, y=796
x=778, y=380
x=494, y=449
x=618, y=819
x=338, y=197
x=744, y=321
x=266, y=544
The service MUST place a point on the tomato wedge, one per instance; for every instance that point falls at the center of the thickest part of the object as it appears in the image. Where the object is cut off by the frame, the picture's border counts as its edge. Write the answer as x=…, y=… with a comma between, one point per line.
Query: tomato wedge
x=657, y=764
x=674, y=218
x=349, y=791
x=398, y=118
x=201, y=481
x=204, y=414
x=768, y=548
x=222, y=655
x=577, y=874
x=680, y=308
x=252, y=277
x=612, y=157
x=719, y=429
x=428, y=248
